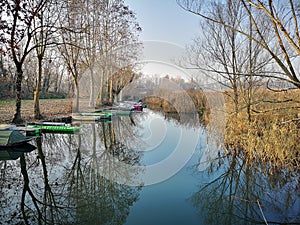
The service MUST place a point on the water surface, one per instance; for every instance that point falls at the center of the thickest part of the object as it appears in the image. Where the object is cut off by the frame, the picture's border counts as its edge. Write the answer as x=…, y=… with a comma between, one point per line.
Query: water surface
x=81, y=179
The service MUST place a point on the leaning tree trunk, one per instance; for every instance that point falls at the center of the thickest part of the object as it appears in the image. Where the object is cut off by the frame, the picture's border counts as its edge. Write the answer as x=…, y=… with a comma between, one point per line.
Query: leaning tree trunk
x=17, y=117
x=37, y=112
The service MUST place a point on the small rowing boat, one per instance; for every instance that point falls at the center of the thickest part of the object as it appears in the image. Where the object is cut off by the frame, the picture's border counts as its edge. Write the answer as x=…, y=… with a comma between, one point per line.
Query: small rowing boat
x=116, y=112
x=55, y=128
x=92, y=116
x=24, y=130
x=13, y=138
x=112, y=112
x=100, y=114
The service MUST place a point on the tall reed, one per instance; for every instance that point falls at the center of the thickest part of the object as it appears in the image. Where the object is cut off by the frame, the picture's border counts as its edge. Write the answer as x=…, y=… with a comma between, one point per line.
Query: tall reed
x=272, y=136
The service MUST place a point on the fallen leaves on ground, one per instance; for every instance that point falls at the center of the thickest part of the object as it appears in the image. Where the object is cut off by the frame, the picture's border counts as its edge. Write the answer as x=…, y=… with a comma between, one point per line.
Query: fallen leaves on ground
x=50, y=109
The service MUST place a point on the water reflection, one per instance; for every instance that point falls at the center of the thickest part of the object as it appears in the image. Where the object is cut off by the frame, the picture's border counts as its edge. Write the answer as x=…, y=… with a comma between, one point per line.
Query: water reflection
x=68, y=179
x=237, y=192
x=62, y=181
x=14, y=152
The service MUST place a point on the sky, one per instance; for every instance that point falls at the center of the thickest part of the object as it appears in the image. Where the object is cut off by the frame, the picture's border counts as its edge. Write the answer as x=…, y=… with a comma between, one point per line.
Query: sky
x=164, y=20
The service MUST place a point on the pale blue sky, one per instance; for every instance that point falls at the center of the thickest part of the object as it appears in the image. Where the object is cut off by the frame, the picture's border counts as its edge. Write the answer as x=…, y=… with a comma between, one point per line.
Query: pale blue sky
x=164, y=20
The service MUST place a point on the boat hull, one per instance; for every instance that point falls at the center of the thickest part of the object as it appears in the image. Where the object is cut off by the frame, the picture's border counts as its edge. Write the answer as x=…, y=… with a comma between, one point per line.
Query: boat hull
x=13, y=138
x=55, y=128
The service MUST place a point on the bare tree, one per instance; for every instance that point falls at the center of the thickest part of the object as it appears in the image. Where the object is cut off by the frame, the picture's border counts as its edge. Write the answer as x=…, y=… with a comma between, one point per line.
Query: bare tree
x=91, y=14
x=17, y=33
x=283, y=33
x=71, y=36
x=44, y=24
x=226, y=56
x=119, y=45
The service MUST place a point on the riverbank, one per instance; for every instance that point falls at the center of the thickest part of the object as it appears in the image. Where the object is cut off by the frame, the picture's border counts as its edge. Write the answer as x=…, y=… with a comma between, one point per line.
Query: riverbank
x=265, y=128
x=271, y=135
x=50, y=109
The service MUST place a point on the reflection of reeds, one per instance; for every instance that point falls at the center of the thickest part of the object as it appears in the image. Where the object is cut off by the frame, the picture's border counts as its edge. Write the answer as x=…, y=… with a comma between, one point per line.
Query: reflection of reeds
x=238, y=193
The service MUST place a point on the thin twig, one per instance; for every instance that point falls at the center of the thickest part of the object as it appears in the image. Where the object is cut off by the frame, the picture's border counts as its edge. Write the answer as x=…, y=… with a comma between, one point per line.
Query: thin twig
x=289, y=121
x=262, y=213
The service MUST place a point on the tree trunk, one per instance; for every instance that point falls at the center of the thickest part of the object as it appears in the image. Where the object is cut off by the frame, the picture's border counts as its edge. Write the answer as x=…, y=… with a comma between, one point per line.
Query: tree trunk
x=236, y=98
x=58, y=82
x=92, y=97
x=17, y=117
x=76, y=104
x=37, y=112
x=111, y=92
x=100, y=93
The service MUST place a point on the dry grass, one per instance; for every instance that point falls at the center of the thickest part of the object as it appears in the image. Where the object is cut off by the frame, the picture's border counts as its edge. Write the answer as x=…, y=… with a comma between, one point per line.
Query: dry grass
x=272, y=136
x=186, y=101
x=50, y=109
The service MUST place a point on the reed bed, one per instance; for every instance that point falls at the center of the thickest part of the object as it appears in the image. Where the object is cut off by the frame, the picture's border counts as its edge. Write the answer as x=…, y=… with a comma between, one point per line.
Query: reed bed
x=270, y=138
x=272, y=135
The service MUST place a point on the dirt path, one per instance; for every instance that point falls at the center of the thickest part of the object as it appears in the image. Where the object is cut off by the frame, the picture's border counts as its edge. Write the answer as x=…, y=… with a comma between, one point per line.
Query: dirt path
x=50, y=109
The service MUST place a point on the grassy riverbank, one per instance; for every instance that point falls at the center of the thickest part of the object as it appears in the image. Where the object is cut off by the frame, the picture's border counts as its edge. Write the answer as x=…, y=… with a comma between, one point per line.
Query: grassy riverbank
x=184, y=101
x=269, y=135
x=50, y=109
x=272, y=134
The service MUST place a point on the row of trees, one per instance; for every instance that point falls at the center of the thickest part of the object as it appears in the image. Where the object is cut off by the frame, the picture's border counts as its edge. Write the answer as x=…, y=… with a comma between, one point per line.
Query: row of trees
x=247, y=43
x=65, y=40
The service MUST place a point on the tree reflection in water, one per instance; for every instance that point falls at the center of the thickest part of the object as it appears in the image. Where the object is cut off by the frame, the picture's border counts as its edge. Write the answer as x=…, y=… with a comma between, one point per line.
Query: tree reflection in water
x=99, y=200
x=63, y=180
x=240, y=193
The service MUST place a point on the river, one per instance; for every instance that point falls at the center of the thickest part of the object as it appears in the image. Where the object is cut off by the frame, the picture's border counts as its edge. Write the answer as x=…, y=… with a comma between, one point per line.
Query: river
x=144, y=170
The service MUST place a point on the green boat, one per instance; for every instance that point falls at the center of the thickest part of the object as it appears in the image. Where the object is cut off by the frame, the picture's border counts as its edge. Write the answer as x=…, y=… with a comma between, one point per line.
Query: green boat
x=13, y=138
x=91, y=116
x=100, y=114
x=55, y=128
x=116, y=112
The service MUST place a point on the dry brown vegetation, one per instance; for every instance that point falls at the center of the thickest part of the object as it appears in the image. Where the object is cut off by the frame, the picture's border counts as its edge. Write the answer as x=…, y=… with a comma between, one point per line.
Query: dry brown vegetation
x=50, y=109
x=272, y=134
x=177, y=101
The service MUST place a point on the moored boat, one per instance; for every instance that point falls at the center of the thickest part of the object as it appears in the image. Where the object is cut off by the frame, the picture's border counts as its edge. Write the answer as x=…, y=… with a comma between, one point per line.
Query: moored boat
x=113, y=112
x=133, y=106
x=13, y=138
x=30, y=131
x=99, y=114
x=55, y=128
x=92, y=116
x=24, y=130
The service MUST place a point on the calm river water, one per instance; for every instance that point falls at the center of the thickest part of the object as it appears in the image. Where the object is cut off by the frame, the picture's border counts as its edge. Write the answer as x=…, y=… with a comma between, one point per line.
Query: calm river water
x=145, y=170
